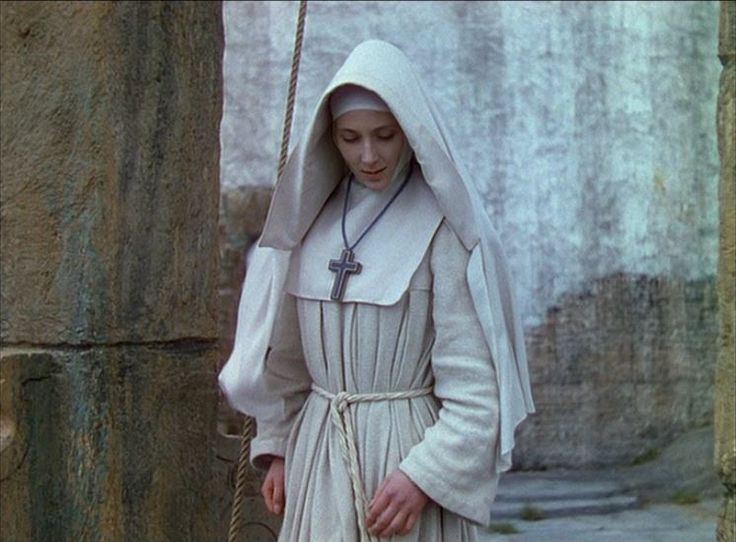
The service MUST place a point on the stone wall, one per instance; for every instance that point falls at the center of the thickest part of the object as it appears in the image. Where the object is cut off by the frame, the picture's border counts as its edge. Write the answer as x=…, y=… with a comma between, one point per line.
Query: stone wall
x=725, y=392
x=109, y=197
x=618, y=369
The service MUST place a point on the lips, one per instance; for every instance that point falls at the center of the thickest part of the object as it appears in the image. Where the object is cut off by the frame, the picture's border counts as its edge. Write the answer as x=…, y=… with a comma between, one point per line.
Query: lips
x=373, y=173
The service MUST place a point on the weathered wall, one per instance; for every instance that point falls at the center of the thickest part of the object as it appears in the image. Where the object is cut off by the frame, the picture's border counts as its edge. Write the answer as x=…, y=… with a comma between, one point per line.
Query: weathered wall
x=619, y=369
x=588, y=125
x=110, y=156
x=590, y=128
x=725, y=394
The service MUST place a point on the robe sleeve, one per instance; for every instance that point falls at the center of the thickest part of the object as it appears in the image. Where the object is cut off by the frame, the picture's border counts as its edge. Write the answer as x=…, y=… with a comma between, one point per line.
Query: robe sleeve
x=286, y=379
x=454, y=464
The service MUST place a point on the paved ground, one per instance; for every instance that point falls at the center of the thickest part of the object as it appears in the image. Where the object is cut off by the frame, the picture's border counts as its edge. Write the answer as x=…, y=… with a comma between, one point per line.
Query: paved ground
x=623, y=504
x=653, y=523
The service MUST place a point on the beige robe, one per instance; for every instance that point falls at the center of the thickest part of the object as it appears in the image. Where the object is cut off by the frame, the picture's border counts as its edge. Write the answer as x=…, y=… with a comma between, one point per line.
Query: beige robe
x=445, y=442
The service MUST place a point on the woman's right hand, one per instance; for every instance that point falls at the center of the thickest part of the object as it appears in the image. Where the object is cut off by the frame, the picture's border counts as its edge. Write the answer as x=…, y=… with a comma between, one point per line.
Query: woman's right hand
x=273, y=486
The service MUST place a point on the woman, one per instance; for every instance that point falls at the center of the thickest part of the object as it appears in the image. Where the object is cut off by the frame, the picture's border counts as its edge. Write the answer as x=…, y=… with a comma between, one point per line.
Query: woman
x=377, y=343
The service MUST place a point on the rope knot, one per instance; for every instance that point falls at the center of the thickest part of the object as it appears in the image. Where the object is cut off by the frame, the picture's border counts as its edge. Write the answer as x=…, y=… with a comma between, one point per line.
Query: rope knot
x=341, y=401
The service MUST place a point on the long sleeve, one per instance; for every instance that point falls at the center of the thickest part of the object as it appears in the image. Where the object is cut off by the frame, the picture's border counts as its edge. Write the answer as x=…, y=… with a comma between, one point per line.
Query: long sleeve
x=265, y=376
x=286, y=378
x=455, y=462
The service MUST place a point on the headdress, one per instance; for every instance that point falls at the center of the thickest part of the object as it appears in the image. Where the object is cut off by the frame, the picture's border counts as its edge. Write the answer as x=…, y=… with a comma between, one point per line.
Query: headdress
x=351, y=98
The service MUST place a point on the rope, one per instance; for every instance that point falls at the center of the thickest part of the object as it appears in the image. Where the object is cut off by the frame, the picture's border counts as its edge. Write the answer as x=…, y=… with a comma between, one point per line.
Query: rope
x=340, y=415
x=240, y=482
x=293, y=78
x=235, y=518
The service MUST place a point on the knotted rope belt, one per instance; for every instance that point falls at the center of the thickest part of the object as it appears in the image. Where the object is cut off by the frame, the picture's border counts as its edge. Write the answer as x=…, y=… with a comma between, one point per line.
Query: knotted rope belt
x=340, y=414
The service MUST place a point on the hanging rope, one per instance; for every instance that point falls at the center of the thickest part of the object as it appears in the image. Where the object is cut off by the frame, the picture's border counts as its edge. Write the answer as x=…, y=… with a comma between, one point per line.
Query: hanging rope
x=291, y=98
x=235, y=518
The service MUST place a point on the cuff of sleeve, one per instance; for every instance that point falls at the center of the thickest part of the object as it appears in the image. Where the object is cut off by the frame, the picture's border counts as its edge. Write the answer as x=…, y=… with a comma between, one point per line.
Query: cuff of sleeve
x=445, y=495
x=262, y=447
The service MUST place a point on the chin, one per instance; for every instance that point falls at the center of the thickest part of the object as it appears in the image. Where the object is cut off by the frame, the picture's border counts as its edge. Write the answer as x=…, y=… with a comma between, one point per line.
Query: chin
x=374, y=184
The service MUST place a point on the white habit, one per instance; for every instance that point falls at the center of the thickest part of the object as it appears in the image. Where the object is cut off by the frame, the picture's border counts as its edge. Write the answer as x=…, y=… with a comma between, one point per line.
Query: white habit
x=432, y=307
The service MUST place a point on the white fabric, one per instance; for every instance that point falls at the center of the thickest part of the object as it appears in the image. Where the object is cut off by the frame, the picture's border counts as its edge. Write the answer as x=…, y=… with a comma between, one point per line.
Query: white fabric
x=316, y=167
x=340, y=403
x=241, y=378
x=352, y=98
x=414, y=214
x=444, y=442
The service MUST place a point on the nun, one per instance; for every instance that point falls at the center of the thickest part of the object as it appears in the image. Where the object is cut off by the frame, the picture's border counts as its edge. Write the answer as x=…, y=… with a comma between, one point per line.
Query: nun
x=378, y=345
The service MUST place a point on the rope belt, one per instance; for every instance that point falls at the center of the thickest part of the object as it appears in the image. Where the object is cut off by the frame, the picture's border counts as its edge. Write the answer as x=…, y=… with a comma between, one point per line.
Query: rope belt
x=339, y=403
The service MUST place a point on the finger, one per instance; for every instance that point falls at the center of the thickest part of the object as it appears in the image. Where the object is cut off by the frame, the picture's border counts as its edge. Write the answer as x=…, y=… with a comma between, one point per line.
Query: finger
x=398, y=521
x=278, y=496
x=378, y=494
x=267, y=492
x=385, y=518
x=411, y=520
x=377, y=507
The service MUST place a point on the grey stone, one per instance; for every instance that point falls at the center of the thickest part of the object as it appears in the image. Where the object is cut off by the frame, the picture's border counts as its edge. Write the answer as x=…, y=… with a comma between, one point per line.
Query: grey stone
x=725, y=392
x=655, y=523
x=563, y=508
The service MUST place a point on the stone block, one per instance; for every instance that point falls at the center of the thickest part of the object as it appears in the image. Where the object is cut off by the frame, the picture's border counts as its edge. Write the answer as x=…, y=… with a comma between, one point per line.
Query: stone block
x=110, y=170
x=109, y=444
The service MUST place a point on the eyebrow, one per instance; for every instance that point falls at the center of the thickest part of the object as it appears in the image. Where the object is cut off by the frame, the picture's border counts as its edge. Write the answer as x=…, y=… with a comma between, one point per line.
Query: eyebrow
x=378, y=129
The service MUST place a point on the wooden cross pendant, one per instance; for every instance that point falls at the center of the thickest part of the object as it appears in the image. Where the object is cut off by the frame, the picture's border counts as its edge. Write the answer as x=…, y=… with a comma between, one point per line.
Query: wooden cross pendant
x=343, y=267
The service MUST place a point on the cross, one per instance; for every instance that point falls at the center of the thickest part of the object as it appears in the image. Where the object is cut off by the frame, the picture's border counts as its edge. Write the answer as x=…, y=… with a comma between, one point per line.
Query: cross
x=344, y=266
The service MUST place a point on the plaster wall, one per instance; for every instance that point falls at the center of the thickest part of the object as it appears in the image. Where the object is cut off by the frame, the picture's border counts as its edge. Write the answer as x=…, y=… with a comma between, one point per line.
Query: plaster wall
x=588, y=125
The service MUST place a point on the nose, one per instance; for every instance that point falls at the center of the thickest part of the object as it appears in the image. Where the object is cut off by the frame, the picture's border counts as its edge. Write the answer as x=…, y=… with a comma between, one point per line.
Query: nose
x=368, y=152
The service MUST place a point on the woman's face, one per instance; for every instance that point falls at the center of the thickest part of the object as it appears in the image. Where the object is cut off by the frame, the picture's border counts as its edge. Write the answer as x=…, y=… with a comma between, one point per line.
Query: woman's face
x=370, y=143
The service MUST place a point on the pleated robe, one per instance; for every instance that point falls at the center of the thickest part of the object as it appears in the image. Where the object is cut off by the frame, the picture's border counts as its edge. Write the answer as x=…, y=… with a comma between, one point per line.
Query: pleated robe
x=444, y=442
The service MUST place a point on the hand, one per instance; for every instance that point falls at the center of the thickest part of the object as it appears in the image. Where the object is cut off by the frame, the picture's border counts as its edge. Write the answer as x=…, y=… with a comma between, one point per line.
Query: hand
x=396, y=506
x=273, y=486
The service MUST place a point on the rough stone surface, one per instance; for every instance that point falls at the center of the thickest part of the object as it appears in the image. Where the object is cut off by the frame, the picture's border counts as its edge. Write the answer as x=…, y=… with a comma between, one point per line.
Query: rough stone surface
x=683, y=468
x=655, y=523
x=622, y=367
x=108, y=211
x=109, y=444
x=110, y=117
x=725, y=394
